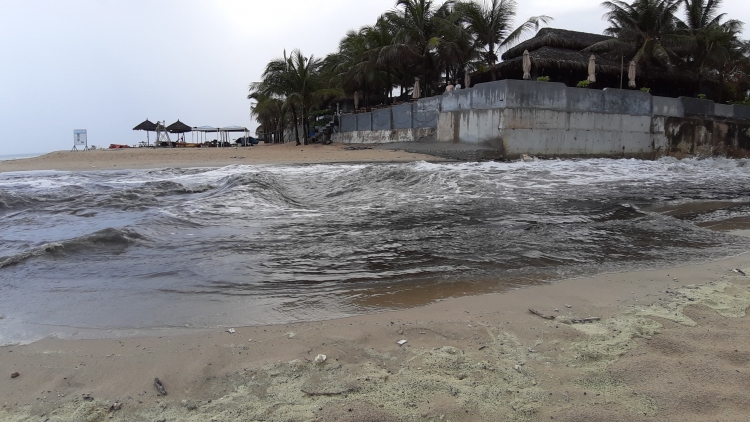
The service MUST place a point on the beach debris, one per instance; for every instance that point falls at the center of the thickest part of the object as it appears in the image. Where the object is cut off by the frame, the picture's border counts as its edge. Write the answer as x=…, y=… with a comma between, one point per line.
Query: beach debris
x=115, y=406
x=328, y=393
x=320, y=359
x=739, y=271
x=160, y=387
x=231, y=331
x=541, y=315
x=517, y=368
x=401, y=342
x=585, y=320
x=568, y=306
x=88, y=397
x=15, y=375
x=290, y=335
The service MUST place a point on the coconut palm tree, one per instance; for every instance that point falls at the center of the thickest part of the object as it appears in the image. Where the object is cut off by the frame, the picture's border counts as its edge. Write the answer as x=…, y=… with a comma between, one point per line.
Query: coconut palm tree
x=645, y=31
x=422, y=28
x=358, y=65
x=491, y=23
x=712, y=37
x=300, y=82
x=271, y=113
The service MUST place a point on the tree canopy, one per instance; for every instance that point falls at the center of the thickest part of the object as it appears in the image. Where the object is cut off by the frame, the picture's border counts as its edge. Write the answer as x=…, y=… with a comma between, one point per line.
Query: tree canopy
x=432, y=41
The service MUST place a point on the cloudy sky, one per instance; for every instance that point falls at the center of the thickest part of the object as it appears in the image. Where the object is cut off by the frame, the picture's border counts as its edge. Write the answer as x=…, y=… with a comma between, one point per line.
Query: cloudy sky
x=106, y=65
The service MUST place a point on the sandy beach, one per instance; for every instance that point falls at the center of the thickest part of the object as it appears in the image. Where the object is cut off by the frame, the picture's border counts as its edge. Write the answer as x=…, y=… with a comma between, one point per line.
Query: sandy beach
x=671, y=344
x=146, y=158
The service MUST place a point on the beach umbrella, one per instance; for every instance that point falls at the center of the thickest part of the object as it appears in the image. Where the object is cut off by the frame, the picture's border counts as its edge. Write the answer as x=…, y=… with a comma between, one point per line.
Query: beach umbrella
x=147, y=126
x=417, y=92
x=179, y=127
x=631, y=74
x=592, y=69
x=526, y=65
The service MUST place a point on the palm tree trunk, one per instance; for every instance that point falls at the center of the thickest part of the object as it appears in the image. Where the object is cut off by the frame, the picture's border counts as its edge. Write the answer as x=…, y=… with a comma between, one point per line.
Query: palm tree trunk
x=491, y=61
x=305, y=125
x=296, y=126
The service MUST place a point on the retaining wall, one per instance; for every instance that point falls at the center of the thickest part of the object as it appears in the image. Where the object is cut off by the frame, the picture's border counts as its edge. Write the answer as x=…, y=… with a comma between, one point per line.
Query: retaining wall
x=546, y=118
x=385, y=136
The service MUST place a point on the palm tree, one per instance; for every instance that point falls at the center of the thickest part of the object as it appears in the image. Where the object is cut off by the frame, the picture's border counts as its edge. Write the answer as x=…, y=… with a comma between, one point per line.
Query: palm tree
x=271, y=113
x=357, y=65
x=491, y=23
x=712, y=39
x=421, y=29
x=645, y=31
x=299, y=80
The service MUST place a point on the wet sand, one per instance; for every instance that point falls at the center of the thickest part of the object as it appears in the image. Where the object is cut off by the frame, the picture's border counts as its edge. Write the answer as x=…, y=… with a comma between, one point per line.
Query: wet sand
x=146, y=158
x=672, y=345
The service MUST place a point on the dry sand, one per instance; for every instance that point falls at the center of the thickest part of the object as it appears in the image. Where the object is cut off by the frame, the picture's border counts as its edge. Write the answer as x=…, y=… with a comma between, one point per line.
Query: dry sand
x=141, y=158
x=672, y=345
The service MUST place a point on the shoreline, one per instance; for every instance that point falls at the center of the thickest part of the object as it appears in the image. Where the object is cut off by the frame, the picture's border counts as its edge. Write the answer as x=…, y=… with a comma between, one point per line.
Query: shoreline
x=469, y=358
x=667, y=344
x=151, y=158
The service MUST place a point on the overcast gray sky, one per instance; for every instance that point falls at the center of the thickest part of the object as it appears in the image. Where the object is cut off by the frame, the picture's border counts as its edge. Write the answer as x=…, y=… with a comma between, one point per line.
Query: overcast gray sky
x=106, y=65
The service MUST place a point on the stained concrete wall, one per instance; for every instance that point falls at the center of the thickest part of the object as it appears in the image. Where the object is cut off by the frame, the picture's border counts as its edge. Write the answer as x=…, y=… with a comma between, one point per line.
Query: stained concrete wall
x=544, y=118
x=705, y=136
x=348, y=123
x=741, y=112
x=697, y=106
x=381, y=119
x=364, y=121
x=724, y=110
x=425, y=112
x=401, y=116
x=518, y=131
x=384, y=136
x=664, y=106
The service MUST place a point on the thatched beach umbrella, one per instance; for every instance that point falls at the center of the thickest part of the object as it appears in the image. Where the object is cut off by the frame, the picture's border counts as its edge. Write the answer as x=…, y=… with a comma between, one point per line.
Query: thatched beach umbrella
x=592, y=69
x=148, y=126
x=526, y=65
x=631, y=74
x=417, y=92
x=179, y=127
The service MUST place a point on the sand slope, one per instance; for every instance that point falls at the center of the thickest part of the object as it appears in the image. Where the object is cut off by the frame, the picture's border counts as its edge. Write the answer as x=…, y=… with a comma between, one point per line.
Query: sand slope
x=672, y=345
x=140, y=158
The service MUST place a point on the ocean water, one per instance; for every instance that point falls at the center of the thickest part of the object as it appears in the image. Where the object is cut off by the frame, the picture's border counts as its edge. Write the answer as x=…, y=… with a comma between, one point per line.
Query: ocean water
x=86, y=254
x=19, y=156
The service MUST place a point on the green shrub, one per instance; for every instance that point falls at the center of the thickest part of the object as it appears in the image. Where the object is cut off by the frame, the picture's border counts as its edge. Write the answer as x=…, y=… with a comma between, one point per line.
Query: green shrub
x=644, y=89
x=543, y=79
x=702, y=96
x=584, y=83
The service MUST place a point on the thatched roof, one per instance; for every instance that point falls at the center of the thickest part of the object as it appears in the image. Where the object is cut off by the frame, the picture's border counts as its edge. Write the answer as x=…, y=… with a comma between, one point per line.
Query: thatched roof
x=178, y=127
x=146, y=125
x=558, y=38
x=561, y=58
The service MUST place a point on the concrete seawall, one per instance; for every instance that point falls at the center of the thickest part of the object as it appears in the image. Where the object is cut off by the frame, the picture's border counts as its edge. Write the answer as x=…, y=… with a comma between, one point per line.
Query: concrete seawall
x=506, y=119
